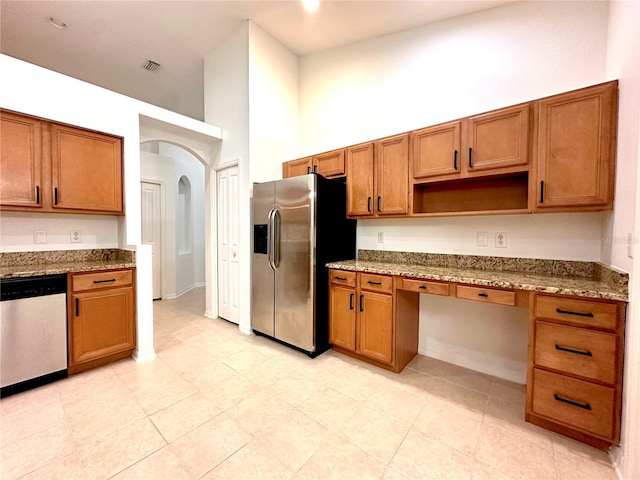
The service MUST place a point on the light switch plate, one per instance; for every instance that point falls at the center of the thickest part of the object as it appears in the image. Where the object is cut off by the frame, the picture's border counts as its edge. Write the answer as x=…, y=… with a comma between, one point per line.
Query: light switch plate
x=482, y=239
x=380, y=237
x=39, y=236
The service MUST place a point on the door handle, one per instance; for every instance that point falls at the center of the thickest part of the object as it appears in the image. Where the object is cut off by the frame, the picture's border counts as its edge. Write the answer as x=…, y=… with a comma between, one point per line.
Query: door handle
x=77, y=307
x=351, y=301
x=361, y=306
x=276, y=239
x=455, y=159
x=270, y=237
x=470, y=157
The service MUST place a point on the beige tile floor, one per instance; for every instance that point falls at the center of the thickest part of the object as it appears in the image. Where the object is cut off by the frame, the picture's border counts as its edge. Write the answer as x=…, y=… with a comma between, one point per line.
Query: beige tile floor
x=216, y=404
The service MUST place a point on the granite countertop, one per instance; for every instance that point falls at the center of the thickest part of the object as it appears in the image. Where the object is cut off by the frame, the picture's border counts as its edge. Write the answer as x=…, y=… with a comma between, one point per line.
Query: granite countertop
x=30, y=264
x=595, y=286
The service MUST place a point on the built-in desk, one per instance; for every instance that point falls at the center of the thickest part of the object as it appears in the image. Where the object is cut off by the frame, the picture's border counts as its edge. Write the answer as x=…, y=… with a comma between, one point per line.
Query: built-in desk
x=576, y=326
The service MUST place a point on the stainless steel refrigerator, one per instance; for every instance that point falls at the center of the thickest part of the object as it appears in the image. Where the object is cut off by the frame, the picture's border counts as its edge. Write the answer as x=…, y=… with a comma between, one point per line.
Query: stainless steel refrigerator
x=299, y=224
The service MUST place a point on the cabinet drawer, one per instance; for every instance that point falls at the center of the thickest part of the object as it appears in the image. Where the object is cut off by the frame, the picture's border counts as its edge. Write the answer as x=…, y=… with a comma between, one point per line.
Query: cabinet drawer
x=583, y=405
x=575, y=350
x=376, y=283
x=489, y=295
x=93, y=281
x=342, y=277
x=581, y=312
x=425, y=286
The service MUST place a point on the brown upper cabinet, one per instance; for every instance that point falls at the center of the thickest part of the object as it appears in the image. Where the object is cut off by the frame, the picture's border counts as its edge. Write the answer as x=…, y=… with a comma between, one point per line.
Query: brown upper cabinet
x=377, y=177
x=329, y=165
x=575, y=149
x=48, y=167
x=497, y=140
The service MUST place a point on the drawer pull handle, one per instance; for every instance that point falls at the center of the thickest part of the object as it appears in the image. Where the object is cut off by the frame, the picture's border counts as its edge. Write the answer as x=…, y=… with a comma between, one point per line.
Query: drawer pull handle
x=483, y=294
x=579, y=314
x=374, y=283
x=557, y=397
x=351, y=301
x=105, y=281
x=344, y=279
x=424, y=287
x=586, y=353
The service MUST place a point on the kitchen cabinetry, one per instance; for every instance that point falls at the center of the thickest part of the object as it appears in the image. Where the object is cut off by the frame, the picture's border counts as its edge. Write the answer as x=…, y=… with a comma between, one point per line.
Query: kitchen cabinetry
x=101, y=318
x=377, y=178
x=363, y=321
x=495, y=140
x=574, y=381
x=575, y=149
x=48, y=167
x=21, y=179
x=477, y=164
x=329, y=165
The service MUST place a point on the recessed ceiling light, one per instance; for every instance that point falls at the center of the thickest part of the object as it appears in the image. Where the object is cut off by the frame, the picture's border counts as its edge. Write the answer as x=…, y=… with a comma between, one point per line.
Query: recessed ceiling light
x=311, y=5
x=54, y=22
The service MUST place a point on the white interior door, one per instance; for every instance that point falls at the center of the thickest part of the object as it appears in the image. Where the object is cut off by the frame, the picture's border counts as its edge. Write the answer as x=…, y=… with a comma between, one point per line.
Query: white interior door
x=152, y=231
x=227, y=216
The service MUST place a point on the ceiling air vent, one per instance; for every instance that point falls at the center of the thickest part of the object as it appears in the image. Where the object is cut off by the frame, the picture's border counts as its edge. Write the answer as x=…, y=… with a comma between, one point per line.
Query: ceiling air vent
x=151, y=65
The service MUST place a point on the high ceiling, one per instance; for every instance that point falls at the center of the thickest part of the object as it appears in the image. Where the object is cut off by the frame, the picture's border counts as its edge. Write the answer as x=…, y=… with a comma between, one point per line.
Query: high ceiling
x=107, y=42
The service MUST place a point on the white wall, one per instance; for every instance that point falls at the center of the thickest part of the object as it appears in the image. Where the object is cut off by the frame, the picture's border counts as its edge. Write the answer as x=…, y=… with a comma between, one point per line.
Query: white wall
x=622, y=62
x=273, y=105
x=37, y=91
x=444, y=71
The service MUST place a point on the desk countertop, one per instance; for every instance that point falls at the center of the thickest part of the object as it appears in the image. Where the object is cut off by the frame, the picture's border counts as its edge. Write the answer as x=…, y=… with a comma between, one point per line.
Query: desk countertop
x=536, y=282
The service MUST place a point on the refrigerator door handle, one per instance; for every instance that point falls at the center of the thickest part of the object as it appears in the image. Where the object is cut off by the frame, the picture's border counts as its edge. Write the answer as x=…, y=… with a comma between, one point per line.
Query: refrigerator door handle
x=276, y=239
x=270, y=239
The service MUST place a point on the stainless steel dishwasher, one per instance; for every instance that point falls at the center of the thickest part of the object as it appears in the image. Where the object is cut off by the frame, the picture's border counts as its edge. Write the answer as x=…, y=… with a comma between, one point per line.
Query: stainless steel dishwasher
x=33, y=332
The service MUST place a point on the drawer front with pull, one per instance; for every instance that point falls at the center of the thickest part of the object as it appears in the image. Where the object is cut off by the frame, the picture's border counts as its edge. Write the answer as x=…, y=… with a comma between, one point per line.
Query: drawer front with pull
x=584, y=405
x=578, y=351
x=581, y=312
x=342, y=277
x=96, y=280
x=488, y=295
x=425, y=286
x=376, y=283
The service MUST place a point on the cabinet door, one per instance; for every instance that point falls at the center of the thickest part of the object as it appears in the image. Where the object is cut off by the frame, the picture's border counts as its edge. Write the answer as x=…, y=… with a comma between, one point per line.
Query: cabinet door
x=575, y=148
x=101, y=324
x=360, y=180
x=86, y=170
x=392, y=175
x=20, y=160
x=330, y=164
x=342, y=317
x=375, y=332
x=498, y=139
x=436, y=150
x=295, y=168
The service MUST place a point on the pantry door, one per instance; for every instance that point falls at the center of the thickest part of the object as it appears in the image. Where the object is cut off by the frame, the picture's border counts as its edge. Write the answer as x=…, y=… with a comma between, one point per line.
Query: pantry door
x=152, y=231
x=227, y=215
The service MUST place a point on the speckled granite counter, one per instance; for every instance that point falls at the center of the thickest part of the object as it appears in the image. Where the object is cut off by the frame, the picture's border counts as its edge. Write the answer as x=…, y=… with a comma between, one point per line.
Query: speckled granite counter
x=584, y=279
x=29, y=264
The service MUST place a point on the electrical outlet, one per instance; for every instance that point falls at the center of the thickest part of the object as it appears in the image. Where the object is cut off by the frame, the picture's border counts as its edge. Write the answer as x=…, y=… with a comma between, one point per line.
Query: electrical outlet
x=501, y=240
x=380, y=237
x=482, y=239
x=39, y=236
x=75, y=236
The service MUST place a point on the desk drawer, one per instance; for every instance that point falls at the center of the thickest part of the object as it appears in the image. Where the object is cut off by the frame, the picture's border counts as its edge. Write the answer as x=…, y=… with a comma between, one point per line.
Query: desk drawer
x=376, y=283
x=342, y=277
x=581, y=312
x=583, y=405
x=575, y=350
x=488, y=295
x=425, y=286
x=107, y=279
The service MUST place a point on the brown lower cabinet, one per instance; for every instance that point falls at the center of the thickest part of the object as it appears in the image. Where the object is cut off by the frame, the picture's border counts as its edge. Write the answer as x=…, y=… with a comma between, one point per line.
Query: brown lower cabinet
x=367, y=321
x=101, y=318
x=574, y=383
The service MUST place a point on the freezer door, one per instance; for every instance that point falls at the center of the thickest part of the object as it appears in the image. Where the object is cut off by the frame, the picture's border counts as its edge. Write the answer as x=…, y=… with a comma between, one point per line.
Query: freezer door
x=294, y=315
x=262, y=275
